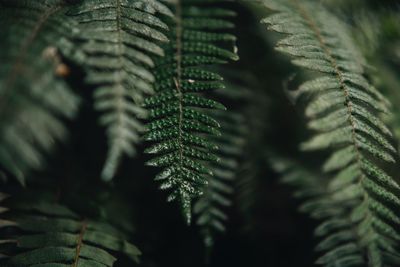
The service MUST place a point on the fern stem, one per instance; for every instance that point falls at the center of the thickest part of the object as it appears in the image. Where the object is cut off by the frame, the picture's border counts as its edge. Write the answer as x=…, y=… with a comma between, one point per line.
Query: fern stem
x=177, y=80
x=119, y=29
x=338, y=73
x=179, y=96
x=79, y=243
x=113, y=155
x=179, y=72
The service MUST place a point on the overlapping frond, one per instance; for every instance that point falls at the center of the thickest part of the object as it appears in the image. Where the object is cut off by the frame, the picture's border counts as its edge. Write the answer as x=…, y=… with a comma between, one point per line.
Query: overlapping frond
x=211, y=206
x=250, y=177
x=46, y=234
x=306, y=183
x=344, y=108
x=119, y=39
x=34, y=97
x=321, y=204
x=178, y=128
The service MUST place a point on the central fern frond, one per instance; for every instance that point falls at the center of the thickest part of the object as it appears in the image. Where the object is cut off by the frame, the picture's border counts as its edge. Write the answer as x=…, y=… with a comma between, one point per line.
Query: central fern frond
x=344, y=108
x=119, y=39
x=177, y=124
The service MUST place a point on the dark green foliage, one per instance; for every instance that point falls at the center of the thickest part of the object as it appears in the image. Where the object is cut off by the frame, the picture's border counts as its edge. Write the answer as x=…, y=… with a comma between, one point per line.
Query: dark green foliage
x=119, y=40
x=50, y=234
x=34, y=98
x=177, y=125
x=343, y=108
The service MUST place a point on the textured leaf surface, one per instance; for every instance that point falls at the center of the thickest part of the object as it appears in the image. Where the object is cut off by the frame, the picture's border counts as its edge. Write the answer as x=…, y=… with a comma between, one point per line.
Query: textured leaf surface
x=178, y=126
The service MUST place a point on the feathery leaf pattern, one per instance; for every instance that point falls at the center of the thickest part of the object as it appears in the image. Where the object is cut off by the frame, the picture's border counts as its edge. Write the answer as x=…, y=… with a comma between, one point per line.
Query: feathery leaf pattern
x=120, y=39
x=52, y=235
x=176, y=125
x=210, y=207
x=344, y=108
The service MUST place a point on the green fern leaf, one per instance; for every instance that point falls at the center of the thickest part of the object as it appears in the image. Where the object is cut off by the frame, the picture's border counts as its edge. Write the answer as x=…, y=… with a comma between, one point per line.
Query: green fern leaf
x=34, y=97
x=119, y=39
x=345, y=95
x=53, y=235
x=177, y=126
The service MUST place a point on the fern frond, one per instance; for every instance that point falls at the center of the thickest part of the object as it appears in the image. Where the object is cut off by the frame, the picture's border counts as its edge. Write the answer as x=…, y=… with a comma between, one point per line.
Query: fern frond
x=250, y=177
x=337, y=229
x=377, y=33
x=307, y=184
x=50, y=234
x=119, y=39
x=177, y=126
x=34, y=98
x=344, y=109
x=210, y=207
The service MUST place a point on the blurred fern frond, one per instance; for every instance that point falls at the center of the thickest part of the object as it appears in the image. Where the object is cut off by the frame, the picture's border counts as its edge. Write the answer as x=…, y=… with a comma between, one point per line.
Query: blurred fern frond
x=211, y=206
x=344, y=108
x=337, y=231
x=42, y=233
x=34, y=97
x=120, y=39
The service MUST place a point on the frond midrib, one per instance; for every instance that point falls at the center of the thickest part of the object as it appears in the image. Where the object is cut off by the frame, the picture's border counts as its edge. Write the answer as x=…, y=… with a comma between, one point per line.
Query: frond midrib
x=79, y=243
x=350, y=119
x=120, y=95
x=179, y=30
x=339, y=76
